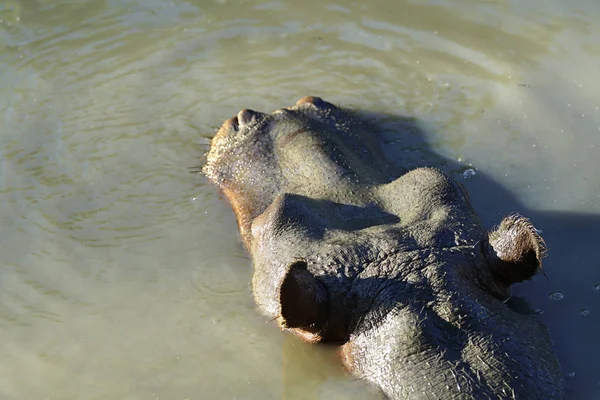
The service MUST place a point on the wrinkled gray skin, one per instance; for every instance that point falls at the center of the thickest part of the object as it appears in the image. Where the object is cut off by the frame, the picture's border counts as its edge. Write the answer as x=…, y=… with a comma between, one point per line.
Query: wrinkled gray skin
x=399, y=273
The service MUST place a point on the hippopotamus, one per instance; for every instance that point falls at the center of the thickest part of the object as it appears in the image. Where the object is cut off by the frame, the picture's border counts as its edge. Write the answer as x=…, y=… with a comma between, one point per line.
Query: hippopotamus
x=393, y=266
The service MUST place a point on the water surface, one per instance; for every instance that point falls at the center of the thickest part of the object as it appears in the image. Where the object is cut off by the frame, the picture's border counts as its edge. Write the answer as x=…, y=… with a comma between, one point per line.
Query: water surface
x=122, y=275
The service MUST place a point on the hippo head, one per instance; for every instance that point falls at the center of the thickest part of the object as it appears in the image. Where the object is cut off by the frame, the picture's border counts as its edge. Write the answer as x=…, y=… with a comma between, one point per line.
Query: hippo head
x=393, y=267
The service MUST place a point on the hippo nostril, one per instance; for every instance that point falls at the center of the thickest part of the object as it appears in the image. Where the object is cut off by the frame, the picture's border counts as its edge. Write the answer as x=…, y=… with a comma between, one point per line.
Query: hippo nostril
x=246, y=117
x=233, y=122
x=314, y=100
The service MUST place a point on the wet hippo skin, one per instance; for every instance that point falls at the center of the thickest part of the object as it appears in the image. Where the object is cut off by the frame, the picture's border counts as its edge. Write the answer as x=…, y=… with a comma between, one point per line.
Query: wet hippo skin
x=394, y=267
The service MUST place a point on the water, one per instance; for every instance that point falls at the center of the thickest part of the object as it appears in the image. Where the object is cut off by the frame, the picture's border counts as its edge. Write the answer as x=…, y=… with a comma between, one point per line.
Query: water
x=122, y=274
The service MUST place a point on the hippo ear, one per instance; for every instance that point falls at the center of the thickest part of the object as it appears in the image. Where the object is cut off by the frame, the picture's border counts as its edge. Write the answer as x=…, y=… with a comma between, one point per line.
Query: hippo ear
x=303, y=302
x=518, y=250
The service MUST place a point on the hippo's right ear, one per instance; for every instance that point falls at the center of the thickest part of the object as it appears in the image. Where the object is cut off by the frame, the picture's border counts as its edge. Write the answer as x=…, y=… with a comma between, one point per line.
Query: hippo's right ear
x=517, y=250
x=303, y=302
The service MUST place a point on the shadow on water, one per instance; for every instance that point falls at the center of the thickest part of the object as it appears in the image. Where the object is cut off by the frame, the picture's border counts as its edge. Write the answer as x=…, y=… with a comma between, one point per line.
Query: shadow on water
x=562, y=300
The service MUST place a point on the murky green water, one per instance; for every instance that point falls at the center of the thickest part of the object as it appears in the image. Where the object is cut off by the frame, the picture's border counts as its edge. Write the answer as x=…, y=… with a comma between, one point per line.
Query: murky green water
x=122, y=276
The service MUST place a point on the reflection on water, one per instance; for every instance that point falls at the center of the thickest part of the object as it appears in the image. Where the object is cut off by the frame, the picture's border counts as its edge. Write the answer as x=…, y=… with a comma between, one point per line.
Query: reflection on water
x=123, y=276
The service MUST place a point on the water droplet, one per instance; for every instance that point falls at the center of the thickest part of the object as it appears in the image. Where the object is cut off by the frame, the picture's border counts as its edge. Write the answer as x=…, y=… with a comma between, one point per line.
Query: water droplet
x=597, y=287
x=571, y=374
x=584, y=312
x=556, y=295
x=468, y=173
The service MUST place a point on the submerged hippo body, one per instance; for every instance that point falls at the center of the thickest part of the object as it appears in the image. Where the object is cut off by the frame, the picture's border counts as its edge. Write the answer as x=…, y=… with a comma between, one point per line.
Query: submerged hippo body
x=396, y=270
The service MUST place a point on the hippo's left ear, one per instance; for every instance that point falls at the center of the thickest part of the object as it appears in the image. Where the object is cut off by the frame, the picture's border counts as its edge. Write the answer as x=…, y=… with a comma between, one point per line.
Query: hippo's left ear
x=517, y=250
x=303, y=302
